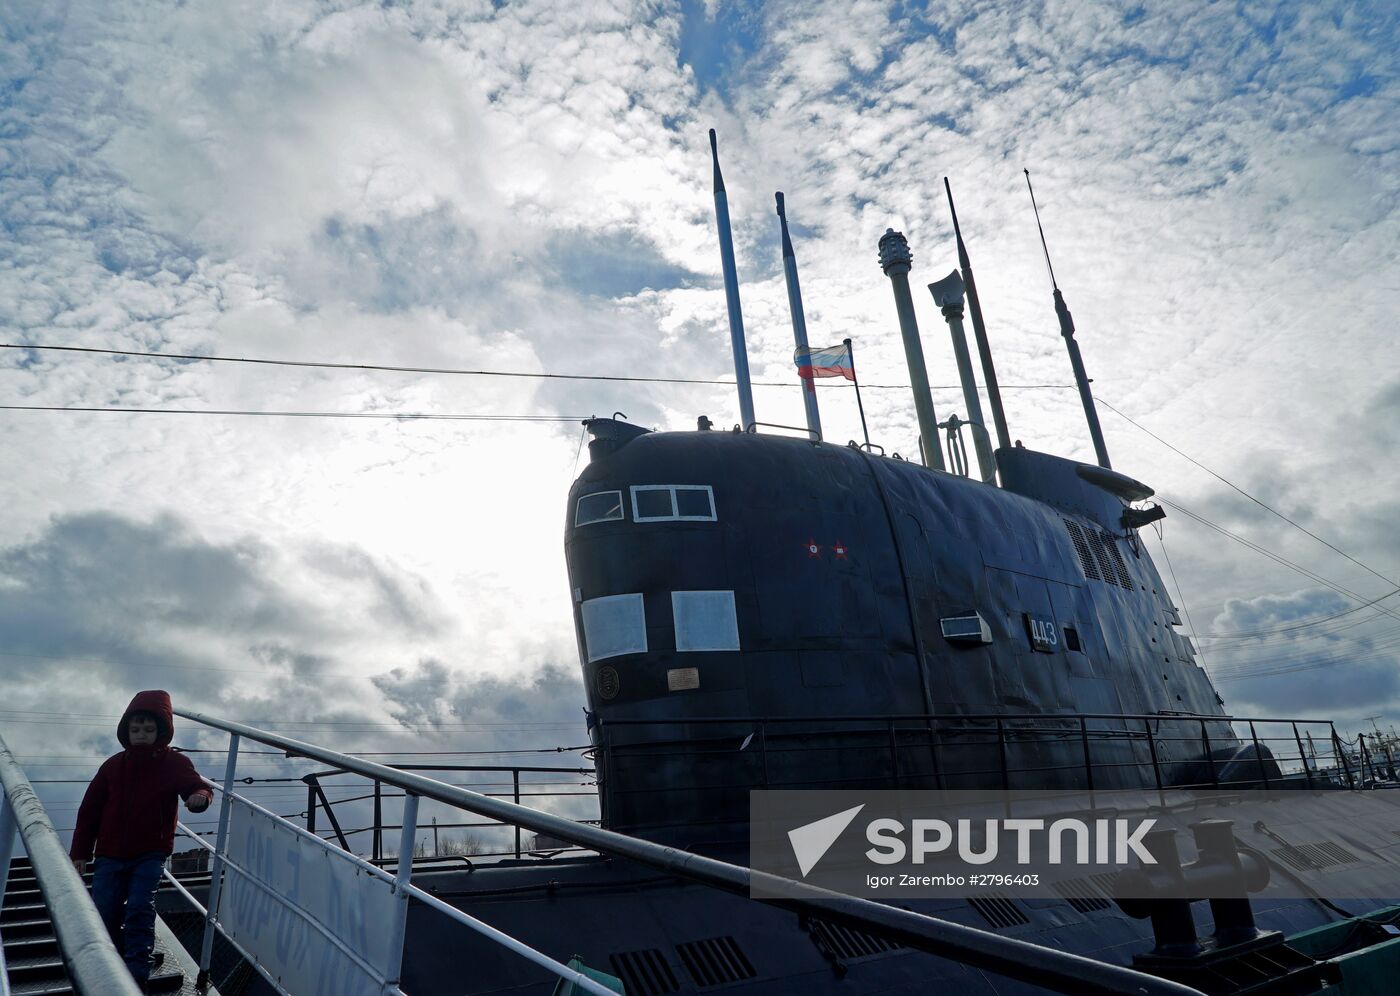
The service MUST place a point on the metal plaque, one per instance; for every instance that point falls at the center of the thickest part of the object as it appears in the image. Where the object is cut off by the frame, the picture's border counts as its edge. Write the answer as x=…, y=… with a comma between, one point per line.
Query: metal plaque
x=1043, y=632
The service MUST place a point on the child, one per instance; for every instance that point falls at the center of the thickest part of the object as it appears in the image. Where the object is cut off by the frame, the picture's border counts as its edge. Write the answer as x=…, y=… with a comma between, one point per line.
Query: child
x=129, y=813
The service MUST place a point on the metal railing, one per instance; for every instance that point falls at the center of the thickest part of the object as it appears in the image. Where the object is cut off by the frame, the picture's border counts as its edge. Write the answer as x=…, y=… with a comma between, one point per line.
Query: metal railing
x=1050, y=968
x=318, y=802
x=1156, y=749
x=221, y=865
x=698, y=771
x=89, y=956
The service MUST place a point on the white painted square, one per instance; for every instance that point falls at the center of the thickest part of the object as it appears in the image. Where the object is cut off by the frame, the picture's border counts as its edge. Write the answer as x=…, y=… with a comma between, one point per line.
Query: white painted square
x=614, y=625
x=705, y=620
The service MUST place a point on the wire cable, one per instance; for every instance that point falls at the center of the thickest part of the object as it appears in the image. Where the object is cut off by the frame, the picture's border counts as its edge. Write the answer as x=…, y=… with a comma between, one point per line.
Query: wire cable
x=1298, y=626
x=401, y=416
x=453, y=371
x=1311, y=575
x=1177, y=584
x=1231, y=484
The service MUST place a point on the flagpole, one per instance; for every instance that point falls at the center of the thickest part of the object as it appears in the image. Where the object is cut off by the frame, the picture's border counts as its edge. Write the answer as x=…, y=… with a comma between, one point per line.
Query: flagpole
x=851, y=352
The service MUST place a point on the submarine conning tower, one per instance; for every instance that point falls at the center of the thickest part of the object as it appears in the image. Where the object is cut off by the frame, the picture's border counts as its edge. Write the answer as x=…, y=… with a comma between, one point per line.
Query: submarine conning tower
x=763, y=611
x=757, y=611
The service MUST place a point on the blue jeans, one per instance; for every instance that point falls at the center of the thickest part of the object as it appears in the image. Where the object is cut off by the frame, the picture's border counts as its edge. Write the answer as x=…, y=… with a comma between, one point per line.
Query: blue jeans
x=124, y=892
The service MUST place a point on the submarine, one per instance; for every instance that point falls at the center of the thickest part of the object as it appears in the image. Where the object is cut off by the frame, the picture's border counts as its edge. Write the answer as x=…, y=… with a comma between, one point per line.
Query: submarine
x=871, y=621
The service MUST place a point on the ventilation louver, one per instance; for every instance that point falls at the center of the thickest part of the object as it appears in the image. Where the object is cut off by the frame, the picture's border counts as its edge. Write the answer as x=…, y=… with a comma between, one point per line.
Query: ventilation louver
x=1081, y=547
x=1083, y=894
x=1306, y=857
x=1098, y=555
x=845, y=944
x=715, y=962
x=644, y=973
x=999, y=911
x=1115, y=559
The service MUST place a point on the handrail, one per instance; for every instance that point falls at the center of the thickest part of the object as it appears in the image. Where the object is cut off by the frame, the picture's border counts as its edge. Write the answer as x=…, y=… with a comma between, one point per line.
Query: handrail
x=316, y=797
x=989, y=716
x=402, y=890
x=948, y=733
x=752, y=429
x=88, y=954
x=1047, y=967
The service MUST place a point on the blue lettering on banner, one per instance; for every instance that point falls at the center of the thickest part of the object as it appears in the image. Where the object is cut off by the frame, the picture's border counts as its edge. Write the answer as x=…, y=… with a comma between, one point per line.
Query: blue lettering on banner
x=283, y=887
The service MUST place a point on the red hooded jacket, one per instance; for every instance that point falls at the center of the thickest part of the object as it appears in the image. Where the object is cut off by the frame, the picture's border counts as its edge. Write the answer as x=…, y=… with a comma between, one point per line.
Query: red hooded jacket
x=130, y=807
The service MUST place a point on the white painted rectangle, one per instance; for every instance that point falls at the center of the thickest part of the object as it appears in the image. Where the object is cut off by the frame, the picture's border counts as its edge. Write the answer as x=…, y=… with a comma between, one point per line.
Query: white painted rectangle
x=614, y=625
x=705, y=620
x=279, y=884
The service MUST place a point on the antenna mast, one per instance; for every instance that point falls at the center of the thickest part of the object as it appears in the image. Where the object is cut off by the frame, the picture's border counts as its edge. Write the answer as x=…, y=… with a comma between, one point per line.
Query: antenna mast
x=979, y=329
x=1067, y=330
x=731, y=294
x=799, y=320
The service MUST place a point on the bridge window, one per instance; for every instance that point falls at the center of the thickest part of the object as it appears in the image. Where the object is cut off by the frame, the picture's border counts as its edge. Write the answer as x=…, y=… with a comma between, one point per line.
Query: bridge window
x=614, y=625
x=705, y=620
x=599, y=507
x=673, y=502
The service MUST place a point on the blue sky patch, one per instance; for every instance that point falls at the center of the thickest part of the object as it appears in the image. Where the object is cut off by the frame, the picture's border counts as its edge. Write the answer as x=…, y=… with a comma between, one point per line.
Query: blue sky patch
x=616, y=265
x=715, y=48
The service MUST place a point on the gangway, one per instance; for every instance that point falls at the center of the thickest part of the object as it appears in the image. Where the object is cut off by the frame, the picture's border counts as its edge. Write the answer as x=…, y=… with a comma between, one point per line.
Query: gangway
x=54, y=939
x=33, y=961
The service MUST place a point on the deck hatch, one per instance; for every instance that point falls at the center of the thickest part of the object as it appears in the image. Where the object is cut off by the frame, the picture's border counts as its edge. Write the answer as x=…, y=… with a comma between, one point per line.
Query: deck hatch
x=998, y=910
x=716, y=961
x=644, y=973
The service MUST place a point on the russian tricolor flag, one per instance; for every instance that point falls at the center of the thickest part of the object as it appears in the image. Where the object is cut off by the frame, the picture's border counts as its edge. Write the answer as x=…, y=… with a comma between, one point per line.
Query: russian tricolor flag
x=832, y=361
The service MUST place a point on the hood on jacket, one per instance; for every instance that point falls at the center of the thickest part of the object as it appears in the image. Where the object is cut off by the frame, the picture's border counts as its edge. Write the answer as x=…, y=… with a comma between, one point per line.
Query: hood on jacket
x=157, y=703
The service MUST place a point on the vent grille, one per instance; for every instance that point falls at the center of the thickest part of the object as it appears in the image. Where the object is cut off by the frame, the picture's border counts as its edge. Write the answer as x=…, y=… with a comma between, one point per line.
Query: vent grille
x=715, y=962
x=1081, y=547
x=999, y=911
x=1105, y=561
x=1306, y=857
x=1115, y=560
x=1099, y=555
x=844, y=944
x=644, y=973
x=1084, y=895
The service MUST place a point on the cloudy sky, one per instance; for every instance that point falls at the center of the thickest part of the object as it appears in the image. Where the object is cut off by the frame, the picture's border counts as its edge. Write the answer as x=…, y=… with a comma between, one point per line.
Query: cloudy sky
x=525, y=187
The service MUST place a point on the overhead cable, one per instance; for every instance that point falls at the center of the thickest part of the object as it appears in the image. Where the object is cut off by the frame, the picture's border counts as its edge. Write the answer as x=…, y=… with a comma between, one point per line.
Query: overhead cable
x=402, y=416
x=460, y=372
x=1231, y=484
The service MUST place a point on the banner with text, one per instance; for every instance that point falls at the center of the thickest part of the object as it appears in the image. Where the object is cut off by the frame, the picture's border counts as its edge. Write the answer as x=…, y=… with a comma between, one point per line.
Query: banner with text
x=283, y=893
